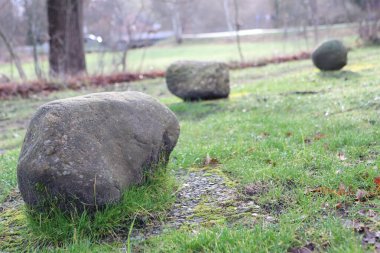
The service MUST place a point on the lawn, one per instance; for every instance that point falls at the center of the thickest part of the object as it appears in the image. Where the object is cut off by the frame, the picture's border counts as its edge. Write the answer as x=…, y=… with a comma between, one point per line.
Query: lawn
x=301, y=145
x=160, y=56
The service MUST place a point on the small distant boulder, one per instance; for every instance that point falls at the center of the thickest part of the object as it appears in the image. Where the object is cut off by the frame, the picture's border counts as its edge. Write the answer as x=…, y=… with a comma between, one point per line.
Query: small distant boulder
x=330, y=55
x=192, y=80
x=86, y=151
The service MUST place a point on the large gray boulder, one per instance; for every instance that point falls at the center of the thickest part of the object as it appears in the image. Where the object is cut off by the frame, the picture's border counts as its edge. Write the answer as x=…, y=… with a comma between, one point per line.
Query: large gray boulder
x=192, y=80
x=330, y=55
x=86, y=151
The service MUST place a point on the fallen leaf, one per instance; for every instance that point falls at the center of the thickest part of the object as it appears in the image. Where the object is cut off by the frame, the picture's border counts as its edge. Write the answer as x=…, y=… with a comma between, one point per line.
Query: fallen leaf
x=208, y=161
x=341, y=156
x=323, y=190
x=377, y=182
x=339, y=205
x=342, y=190
x=319, y=136
x=288, y=134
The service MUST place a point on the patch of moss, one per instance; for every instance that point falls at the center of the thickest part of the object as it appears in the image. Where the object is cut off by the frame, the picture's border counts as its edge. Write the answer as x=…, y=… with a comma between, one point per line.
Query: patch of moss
x=215, y=170
x=13, y=230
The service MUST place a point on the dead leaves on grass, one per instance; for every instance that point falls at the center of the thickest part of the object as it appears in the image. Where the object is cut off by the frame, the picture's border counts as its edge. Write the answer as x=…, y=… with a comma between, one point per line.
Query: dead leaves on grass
x=360, y=195
x=371, y=239
x=310, y=247
x=376, y=180
x=210, y=161
x=318, y=136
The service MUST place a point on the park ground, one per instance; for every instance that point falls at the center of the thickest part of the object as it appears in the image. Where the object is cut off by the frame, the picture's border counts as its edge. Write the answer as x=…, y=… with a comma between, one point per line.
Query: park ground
x=298, y=147
x=160, y=56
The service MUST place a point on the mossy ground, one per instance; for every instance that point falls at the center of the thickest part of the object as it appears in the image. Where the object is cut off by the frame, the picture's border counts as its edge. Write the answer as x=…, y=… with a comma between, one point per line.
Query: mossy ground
x=286, y=131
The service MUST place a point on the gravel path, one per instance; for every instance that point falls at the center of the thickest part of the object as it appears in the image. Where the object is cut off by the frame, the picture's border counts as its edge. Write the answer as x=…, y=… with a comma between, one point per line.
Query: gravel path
x=206, y=197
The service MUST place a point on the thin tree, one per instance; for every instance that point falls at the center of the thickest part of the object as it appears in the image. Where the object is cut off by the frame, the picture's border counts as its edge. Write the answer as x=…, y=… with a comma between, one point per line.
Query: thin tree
x=237, y=29
x=176, y=21
x=33, y=33
x=226, y=8
x=65, y=26
x=369, y=25
x=13, y=54
x=312, y=9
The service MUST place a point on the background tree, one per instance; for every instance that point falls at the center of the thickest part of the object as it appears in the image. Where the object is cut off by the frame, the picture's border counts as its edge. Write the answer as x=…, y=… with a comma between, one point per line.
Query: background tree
x=11, y=35
x=65, y=26
x=37, y=26
x=369, y=24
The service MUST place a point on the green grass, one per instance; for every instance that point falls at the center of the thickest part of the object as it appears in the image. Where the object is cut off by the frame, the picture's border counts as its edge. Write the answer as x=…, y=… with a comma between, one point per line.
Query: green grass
x=276, y=238
x=7, y=171
x=267, y=135
x=55, y=229
x=160, y=56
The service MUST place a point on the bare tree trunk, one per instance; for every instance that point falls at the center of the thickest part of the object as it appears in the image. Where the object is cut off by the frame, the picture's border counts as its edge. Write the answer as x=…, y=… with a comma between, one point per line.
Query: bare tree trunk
x=276, y=7
x=66, y=55
x=227, y=15
x=124, y=58
x=177, y=27
x=31, y=17
x=37, y=68
x=346, y=11
x=14, y=56
x=237, y=29
x=176, y=21
x=312, y=7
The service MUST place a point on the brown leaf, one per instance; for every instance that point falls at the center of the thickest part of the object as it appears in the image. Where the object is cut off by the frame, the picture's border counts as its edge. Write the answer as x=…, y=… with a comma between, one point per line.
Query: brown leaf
x=377, y=182
x=342, y=190
x=208, y=161
x=339, y=205
x=288, y=134
x=319, y=136
x=323, y=190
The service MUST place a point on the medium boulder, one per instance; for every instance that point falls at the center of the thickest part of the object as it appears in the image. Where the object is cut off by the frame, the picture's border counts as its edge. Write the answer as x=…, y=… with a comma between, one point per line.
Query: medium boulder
x=330, y=55
x=85, y=151
x=191, y=80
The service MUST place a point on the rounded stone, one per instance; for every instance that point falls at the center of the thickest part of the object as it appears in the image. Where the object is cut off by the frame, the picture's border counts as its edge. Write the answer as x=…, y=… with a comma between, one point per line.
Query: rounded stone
x=86, y=151
x=193, y=80
x=330, y=55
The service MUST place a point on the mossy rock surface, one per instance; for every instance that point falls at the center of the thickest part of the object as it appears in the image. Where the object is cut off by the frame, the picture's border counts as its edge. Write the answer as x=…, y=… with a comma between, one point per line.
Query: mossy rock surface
x=192, y=80
x=330, y=55
x=84, y=152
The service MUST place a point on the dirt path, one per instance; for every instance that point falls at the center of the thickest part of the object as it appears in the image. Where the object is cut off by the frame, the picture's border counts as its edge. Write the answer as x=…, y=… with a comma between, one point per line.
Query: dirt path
x=206, y=197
